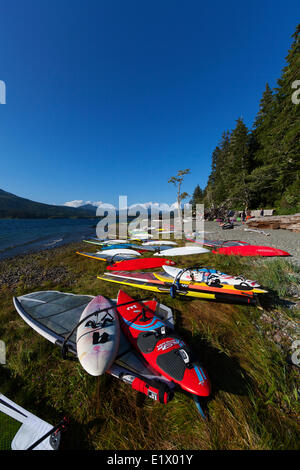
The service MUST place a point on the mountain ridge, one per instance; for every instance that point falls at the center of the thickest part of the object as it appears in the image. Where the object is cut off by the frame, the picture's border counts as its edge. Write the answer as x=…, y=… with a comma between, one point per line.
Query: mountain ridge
x=13, y=206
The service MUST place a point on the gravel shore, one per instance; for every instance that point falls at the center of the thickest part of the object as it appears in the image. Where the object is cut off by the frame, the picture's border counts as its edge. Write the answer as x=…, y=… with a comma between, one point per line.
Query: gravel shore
x=282, y=239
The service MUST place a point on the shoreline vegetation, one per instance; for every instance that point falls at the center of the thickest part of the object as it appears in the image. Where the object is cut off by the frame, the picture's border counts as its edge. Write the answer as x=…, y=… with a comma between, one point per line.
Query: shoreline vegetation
x=245, y=349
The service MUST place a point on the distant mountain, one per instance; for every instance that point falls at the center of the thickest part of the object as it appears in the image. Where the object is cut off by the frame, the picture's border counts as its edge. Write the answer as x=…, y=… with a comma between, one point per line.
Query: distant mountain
x=12, y=206
x=109, y=210
x=88, y=207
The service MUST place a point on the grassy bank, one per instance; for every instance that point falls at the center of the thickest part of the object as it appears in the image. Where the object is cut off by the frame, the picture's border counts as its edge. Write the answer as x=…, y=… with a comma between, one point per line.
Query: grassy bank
x=254, y=400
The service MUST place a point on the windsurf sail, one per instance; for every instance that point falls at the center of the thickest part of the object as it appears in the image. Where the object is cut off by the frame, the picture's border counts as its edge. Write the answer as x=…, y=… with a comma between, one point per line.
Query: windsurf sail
x=216, y=243
x=165, y=285
x=22, y=430
x=55, y=315
x=109, y=258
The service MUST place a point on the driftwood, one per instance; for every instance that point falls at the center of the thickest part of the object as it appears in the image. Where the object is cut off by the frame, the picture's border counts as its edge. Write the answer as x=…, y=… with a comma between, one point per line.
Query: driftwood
x=288, y=222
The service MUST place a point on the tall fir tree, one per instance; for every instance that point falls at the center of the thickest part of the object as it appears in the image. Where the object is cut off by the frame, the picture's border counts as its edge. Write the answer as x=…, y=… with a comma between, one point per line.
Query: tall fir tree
x=239, y=165
x=285, y=148
x=197, y=196
x=262, y=167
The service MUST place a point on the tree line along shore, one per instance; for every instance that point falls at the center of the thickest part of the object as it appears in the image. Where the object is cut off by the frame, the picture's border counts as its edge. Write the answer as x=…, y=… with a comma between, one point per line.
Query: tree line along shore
x=260, y=167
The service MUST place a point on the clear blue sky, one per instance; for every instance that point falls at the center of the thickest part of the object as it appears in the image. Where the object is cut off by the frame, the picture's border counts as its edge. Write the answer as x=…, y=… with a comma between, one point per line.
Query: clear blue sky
x=113, y=97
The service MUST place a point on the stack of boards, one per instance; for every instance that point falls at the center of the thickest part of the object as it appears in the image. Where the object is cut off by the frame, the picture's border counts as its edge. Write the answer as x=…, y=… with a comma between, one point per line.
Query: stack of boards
x=118, y=252
x=225, y=247
x=122, y=245
x=132, y=340
x=112, y=255
x=120, y=261
x=209, y=276
x=164, y=283
x=89, y=328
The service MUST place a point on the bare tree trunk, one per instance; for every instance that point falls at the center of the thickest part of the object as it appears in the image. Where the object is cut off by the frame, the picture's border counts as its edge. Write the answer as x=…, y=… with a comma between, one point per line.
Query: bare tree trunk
x=179, y=208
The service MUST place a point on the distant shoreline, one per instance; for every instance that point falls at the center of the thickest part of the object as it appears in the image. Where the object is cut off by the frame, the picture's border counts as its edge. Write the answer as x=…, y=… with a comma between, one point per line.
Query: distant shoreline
x=38, y=252
x=278, y=238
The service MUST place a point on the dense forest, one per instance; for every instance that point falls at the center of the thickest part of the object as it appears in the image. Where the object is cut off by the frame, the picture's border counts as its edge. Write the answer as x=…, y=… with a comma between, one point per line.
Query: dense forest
x=260, y=167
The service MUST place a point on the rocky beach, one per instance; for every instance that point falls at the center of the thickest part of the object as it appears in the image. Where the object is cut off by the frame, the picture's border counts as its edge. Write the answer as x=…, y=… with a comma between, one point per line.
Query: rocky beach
x=278, y=238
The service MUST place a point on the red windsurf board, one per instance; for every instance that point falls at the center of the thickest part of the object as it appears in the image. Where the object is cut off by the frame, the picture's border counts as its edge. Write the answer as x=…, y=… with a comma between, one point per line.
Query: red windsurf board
x=140, y=263
x=161, y=348
x=251, y=250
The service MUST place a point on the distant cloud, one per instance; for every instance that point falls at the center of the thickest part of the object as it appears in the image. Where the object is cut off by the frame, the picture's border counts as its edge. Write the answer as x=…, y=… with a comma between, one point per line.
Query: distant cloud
x=76, y=203
x=80, y=202
x=157, y=206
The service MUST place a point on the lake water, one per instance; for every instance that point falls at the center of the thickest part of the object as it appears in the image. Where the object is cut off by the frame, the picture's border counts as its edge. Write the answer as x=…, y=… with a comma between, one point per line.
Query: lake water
x=19, y=236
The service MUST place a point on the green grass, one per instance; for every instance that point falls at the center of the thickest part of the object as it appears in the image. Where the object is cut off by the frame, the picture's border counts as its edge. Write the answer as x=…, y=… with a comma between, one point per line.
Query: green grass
x=9, y=427
x=254, y=397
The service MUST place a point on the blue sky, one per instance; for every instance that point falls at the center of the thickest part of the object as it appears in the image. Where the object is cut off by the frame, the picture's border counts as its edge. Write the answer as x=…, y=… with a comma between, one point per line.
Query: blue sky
x=114, y=97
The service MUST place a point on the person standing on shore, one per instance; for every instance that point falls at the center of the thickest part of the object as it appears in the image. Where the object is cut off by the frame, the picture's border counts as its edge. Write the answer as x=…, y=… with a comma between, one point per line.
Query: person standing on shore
x=261, y=212
x=243, y=216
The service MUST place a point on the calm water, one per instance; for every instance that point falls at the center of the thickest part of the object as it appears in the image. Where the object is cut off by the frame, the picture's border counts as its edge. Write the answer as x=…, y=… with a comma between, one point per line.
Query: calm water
x=18, y=236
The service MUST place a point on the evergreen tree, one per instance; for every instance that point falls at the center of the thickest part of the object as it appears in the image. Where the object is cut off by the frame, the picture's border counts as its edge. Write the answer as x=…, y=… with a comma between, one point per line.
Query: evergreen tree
x=197, y=196
x=218, y=180
x=262, y=167
x=265, y=109
x=285, y=145
x=239, y=165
